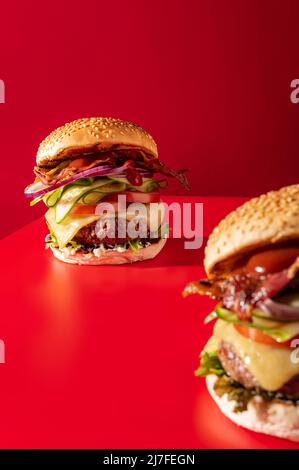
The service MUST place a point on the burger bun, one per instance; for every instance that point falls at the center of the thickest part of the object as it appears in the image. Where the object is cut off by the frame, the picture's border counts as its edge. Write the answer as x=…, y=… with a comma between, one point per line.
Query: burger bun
x=274, y=417
x=111, y=257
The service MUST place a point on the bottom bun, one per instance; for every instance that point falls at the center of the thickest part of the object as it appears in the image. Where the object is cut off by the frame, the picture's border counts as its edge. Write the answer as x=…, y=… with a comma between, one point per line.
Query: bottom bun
x=110, y=256
x=269, y=417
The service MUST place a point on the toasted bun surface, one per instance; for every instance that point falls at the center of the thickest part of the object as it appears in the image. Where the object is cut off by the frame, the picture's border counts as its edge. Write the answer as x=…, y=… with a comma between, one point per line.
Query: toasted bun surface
x=92, y=134
x=111, y=257
x=269, y=417
x=262, y=221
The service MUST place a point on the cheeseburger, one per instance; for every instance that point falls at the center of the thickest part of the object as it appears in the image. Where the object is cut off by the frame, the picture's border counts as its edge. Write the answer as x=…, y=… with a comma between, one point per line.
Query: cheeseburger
x=91, y=161
x=251, y=362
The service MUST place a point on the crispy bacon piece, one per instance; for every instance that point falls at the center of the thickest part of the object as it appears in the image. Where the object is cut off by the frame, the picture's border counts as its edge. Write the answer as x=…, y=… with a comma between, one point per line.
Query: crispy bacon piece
x=64, y=170
x=139, y=159
x=241, y=292
x=156, y=166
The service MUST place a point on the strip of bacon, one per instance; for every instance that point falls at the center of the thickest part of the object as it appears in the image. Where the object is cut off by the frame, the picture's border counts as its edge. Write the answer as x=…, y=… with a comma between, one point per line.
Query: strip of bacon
x=51, y=176
x=242, y=292
x=140, y=160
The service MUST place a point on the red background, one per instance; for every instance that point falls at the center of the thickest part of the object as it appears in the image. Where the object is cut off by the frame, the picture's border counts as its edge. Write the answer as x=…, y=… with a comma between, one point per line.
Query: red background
x=209, y=80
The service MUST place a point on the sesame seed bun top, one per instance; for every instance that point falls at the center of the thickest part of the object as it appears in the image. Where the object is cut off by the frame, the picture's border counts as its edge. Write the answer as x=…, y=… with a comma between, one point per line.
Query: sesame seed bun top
x=261, y=222
x=91, y=135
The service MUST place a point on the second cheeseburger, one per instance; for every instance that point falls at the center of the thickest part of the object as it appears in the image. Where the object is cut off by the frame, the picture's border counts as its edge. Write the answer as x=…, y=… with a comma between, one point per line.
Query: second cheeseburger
x=93, y=160
x=251, y=362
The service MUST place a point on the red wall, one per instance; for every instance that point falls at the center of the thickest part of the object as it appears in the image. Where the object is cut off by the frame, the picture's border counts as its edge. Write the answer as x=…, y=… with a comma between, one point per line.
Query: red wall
x=210, y=81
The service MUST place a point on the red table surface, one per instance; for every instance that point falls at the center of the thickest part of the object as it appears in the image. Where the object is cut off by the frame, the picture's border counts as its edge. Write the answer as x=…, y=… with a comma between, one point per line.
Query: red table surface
x=105, y=356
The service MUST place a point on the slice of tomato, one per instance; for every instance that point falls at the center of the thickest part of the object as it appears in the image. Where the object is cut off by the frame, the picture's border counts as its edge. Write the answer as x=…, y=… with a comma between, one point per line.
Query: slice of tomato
x=132, y=196
x=272, y=261
x=135, y=196
x=82, y=209
x=79, y=162
x=261, y=337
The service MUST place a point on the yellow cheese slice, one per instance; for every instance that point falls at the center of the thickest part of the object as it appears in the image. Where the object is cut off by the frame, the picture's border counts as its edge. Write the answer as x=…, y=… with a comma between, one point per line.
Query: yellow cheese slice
x=66, y=230
x=272, y=366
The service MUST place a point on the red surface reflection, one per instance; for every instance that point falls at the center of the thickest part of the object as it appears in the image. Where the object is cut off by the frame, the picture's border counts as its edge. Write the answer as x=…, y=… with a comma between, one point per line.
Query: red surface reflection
x=105, y=356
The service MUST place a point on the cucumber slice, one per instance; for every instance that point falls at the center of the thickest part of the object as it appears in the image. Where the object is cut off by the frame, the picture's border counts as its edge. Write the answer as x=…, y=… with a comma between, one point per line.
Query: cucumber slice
x=36, y=200
x=50, y=199
x=86, y=194
x=114, y=187
x=83, y=182
x=148, y=186
x=95, y=195
x=281, y=332
x=92, y=198
x=71, y=196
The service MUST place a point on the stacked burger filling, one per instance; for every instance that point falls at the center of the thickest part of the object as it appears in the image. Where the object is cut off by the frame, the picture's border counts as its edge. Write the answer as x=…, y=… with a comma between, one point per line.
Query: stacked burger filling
x=257, y=327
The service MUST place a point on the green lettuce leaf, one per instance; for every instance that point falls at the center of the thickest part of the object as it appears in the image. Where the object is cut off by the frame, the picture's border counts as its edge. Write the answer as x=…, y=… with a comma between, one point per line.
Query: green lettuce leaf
x=135, y=245
x=235, y=392
x=209, y=365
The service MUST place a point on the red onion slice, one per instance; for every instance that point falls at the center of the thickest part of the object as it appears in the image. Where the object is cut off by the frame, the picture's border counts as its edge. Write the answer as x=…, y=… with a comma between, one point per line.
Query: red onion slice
x=31, y=191
x=279, y=311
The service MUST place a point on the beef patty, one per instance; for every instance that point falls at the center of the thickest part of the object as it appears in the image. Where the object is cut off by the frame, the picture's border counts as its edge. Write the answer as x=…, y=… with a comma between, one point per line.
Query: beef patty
x=237, y=370
x=235, y=367
x=87, y=236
